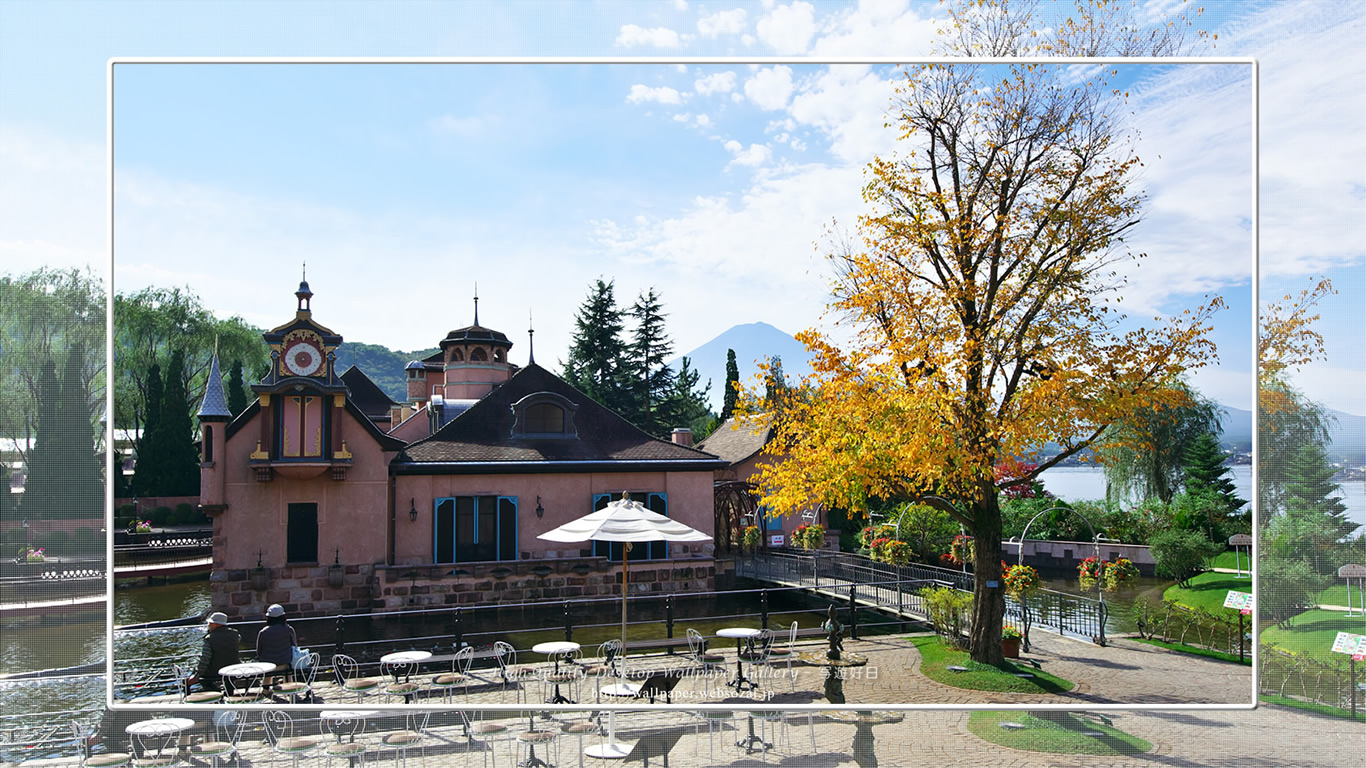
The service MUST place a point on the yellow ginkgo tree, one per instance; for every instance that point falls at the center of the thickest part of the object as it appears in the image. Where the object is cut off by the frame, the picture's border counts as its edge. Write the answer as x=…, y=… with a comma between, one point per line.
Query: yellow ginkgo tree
x=980, y=290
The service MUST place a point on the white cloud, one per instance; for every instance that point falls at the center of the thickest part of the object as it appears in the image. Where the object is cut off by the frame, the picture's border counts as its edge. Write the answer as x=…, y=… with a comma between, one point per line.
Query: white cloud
x=703, y=121
x=681, y=117
x=877, y=28
x=719, y=82
x=788, y=28
x=755, y=155
x=848, y=105
x=52, y=202
x=662, y=95
x=770, y=87
x=722, y=23
x=680, y=5
x=655, y=37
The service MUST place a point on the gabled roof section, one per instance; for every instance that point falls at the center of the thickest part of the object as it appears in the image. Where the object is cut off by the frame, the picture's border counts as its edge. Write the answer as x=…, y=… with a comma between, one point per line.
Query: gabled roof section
x=366, y=394
x=739, y=438
x=483, y=435
x=215, y=403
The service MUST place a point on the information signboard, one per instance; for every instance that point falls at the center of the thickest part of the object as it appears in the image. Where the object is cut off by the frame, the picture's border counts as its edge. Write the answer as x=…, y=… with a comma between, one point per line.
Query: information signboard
x=1241, y=601
x=1346, y=642
x=776, y=540
x=1240, y=540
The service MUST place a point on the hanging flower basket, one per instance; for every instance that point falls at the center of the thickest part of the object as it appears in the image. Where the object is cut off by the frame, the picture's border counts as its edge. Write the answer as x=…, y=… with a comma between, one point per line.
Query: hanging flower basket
x=35, y=556
x=894, y=552
x=1021, y=580
x=961, y=549
x=751, y=537
x=142, y=526
x=1118, y=573
x=809, y=536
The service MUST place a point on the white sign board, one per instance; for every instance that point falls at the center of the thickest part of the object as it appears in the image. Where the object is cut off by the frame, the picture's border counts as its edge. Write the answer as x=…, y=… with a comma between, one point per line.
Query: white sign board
x=1351, y=571
x=775, y=540
x=1347, y=642
x=1240, y=540
x=1241, y=601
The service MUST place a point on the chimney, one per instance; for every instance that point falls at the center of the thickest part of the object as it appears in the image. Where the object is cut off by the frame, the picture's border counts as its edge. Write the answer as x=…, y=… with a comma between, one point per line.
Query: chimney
x=683, y=436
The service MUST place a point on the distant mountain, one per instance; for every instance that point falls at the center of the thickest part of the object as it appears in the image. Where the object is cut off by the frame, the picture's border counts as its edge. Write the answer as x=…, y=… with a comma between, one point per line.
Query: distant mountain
x=752, y=342
x=1348, y=438
x=384, y=366
x=1237, y=429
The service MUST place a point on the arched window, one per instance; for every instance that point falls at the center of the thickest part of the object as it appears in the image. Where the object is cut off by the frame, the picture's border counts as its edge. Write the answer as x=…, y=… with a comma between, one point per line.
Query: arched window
x=457, y=356
x=544, y=418
x=208, y=443
x=479, y=355
x=497, y=355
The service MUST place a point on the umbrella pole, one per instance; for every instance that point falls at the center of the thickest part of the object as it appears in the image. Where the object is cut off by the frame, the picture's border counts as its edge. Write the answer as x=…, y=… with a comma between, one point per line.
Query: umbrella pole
x=625, y=566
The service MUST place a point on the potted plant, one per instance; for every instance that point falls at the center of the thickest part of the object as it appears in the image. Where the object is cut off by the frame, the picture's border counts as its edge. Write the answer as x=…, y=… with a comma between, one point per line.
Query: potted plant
x=1090, y=570
x=35, y=556
x=1021, y=580
x=1010, y=641
x=1119, y=572
x=809, y=536
x=894, y=552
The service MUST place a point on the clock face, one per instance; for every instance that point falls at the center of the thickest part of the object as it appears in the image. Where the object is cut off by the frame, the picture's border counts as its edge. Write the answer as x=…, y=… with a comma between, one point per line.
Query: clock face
x=303, y=359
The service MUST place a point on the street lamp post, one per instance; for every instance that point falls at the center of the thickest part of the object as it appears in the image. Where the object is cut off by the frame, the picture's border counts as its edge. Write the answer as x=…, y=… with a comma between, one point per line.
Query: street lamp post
x=25, y=558
x=1100, y=586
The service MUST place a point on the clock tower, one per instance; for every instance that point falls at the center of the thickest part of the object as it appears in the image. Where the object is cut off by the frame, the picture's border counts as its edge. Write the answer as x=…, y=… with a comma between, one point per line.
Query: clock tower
x=302, y=400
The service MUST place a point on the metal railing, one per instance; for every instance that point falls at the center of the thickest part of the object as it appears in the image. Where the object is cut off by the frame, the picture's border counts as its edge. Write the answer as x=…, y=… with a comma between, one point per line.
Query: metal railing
x=1048, y=610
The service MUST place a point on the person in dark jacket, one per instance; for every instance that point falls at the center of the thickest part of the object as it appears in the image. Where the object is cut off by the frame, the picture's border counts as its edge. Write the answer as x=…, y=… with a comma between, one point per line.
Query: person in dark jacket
x=276, y=640
x=219, y=650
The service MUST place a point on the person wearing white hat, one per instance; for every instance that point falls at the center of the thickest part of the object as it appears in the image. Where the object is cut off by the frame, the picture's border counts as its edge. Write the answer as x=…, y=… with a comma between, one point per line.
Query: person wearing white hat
x=218, y=651
x=275, y=641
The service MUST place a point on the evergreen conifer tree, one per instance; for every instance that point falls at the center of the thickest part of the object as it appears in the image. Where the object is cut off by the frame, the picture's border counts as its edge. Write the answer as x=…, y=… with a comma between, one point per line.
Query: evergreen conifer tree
x=43, y=473
x=64, y=478
x=686, y=405
x=652, y=382
x=597, y=352
x=1206, y=473
x=237, y=391
x=181, y=459
x=775, y=383
x=732, y=385
x=148, y=470
x=1309, y=488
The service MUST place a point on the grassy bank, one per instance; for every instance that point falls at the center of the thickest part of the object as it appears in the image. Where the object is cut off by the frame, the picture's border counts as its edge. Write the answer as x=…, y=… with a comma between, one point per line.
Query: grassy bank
x=936, y=658
x=1070, y=735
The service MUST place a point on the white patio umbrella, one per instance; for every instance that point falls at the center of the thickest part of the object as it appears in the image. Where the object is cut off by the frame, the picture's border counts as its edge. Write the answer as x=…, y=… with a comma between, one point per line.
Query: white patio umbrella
x=628, y=522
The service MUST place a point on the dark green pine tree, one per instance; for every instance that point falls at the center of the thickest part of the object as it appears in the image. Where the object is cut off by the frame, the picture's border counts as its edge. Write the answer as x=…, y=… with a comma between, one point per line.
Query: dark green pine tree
x=182, y=460
x=686, y=404
x=597, y=352
x=237, y=391
x=1309, y=487
x=148, y=469
x=1206, y=473
x=65, y=478
x=775, y=383
x=732, y=392
x=43, y=471
x=652, y=381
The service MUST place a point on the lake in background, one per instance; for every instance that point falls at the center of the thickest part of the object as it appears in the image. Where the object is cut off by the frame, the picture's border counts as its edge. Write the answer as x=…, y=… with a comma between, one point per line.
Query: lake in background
x=1088, y=483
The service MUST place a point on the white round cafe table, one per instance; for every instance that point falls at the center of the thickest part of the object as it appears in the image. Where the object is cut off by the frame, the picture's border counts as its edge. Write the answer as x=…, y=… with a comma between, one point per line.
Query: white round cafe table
x=246, y=669
x=741, y=636
x=555, y=650
x=406, y=657
x=347, y=714
x=162, y=727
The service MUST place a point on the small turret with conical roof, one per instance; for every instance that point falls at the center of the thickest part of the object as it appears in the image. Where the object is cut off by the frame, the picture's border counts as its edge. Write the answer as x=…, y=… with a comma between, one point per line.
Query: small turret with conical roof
x=475, y=359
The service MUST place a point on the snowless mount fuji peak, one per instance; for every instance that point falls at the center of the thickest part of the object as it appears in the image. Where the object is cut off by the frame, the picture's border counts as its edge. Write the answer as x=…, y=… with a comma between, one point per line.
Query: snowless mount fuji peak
x=752, y=342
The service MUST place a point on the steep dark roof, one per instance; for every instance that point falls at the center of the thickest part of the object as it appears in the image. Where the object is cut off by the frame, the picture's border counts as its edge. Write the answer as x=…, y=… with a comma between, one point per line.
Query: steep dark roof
x=482, y=435
x=366, y=394
x=476, y=333
x=215, y=403
x=738, y=439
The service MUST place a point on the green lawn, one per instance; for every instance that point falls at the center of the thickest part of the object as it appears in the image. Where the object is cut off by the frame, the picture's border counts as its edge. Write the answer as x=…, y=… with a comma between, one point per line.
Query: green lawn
x=1337, y=595
x=1218, y=655
x=936, y=657
x=1065, y=738
x=1208, y=590
x=1318, y=709
x=1227, y=560
x=1313, y=632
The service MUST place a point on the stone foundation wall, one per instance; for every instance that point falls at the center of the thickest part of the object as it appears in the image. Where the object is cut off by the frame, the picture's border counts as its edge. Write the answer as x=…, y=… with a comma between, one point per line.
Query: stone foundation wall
x=308, y=590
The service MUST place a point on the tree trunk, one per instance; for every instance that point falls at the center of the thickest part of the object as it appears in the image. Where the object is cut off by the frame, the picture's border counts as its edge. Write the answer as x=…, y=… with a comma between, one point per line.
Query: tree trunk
x=989, y=603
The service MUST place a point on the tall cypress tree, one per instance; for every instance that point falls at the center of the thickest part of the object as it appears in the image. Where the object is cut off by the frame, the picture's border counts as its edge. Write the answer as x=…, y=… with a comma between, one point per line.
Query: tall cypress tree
x=182, y=460
x=651, y=379
x=1309, y=487
x=148, y=471
x=81, y=494
x=597, y=352
x=732, y=392
x=237, y=391
x=775, y=383
x=43, y=473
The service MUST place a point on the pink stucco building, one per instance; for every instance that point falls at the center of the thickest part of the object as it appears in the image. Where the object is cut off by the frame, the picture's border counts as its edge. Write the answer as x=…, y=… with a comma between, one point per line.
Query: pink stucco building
x=326, y=496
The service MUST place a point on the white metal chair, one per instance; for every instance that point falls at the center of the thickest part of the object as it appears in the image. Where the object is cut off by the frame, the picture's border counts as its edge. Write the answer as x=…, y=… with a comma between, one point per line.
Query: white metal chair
x=413, y=735
x=606, y=665
x=346, y=742
x=758, y=653
x=715, y=720
x=565, y=671
x=160, y=750
x=348, y=676
x=779, y=652
x=512, y=673
x=182, y=684
x=709, y=663
x=458, y=677
x=400, y=680
x=483, y=733
x=227, y=732
x=83, y=734
x=301, y=687
x=283, y=739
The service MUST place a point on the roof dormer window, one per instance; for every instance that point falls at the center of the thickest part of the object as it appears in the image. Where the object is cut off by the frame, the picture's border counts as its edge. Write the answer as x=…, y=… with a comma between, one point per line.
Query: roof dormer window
x=544, y=415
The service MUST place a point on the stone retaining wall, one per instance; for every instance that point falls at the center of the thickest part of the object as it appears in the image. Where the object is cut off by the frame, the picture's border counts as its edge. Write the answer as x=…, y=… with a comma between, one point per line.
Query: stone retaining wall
x=309, y=590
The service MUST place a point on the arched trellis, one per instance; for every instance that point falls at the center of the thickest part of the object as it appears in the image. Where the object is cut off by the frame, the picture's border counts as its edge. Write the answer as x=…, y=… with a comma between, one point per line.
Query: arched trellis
x=735, y=500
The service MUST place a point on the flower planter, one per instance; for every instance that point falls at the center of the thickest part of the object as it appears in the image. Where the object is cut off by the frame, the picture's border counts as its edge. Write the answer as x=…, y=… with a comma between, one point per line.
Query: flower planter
x=1010, y=647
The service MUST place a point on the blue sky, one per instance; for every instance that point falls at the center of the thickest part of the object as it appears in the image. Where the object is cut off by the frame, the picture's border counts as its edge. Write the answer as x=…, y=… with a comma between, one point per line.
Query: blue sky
x=711, y=182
